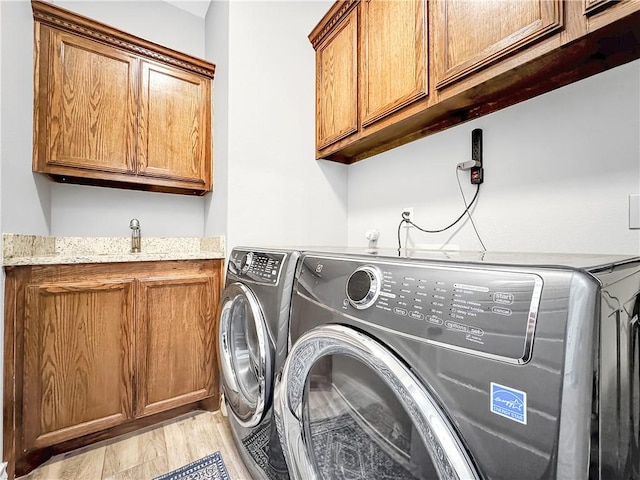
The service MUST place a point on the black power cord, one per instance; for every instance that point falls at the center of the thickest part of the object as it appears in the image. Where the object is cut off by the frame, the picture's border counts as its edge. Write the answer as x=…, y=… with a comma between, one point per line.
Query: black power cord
x=405, y=219
x=473, y=224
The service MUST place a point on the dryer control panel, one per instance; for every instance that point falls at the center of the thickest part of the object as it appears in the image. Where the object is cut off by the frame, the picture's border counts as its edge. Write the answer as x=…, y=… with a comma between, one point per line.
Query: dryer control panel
x=256, y=266
x=488, y=311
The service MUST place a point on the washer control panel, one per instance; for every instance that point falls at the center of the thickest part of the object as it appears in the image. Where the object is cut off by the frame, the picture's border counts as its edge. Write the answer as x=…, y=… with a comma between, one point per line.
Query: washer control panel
x=259, y=267
x=458, y=306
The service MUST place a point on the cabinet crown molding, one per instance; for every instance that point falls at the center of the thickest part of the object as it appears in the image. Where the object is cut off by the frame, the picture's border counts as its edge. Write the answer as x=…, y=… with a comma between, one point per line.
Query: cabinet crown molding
x=66, y=20
x=333, y=16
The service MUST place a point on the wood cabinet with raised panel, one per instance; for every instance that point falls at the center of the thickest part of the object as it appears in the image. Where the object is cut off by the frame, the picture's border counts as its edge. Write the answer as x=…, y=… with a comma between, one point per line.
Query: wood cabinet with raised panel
x=370, y=62
x=425, y=66
x=469, y=36
x=93, y=351
x=112, y=109
x=77, y=358
x=393, y=58
x=175, y=340
x=337, y=82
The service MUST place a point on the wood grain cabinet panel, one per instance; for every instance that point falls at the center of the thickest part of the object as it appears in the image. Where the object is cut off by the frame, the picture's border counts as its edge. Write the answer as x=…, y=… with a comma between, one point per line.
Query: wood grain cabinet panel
x=115, y=110
x=591, y=6
x=393, y=58
x=92, y=105
x=78, y=339
x=175, y=341
x=97, y=350
x=425, y=66
x=601, y=13
x=469, y=36
x=371, y=62
x=173, y=128
x=336, y=83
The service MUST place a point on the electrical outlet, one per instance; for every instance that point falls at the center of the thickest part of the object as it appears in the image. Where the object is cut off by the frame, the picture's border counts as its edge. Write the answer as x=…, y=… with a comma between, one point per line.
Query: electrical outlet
x=476, y=173
x=408, y=210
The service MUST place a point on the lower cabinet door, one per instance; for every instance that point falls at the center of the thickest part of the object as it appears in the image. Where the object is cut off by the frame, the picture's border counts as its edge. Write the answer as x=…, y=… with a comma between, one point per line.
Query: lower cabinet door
x=175, y=348
x=78, y=367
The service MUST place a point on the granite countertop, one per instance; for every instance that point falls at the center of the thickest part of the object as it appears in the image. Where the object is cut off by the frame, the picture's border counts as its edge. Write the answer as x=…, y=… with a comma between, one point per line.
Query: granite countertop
x=18, y=249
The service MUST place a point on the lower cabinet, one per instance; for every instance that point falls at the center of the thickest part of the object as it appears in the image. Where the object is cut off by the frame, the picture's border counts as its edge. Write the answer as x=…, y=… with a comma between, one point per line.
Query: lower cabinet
x=77, y=362
x=174, y=341
x=94, y=351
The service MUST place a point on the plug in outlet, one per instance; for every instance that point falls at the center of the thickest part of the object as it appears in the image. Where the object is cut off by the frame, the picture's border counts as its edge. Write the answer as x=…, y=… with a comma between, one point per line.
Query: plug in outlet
x=407, y=212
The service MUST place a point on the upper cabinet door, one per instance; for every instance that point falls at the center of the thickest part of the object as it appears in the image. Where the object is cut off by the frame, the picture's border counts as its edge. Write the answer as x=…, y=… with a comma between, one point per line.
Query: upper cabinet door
x=394, y=56
x=337, y=83
x=174, y=130
x=91, y=94
x=472, y=35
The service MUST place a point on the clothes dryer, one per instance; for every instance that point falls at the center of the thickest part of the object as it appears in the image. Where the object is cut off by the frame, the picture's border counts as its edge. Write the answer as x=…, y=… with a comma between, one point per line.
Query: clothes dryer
x=253, y=328
x=462, y=366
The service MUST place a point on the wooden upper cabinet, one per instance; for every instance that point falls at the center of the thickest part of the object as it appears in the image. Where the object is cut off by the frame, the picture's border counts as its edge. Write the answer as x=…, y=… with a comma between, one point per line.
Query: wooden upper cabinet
x=175, y=340
x=174, y=134
x=469, y=36
x=337, y=82
x=77, y=359
x=591, y=6
x=116, y=110
x=600, y=13
x=394, y=56
x=92, y=104
x=371, y=62
x=425, y=66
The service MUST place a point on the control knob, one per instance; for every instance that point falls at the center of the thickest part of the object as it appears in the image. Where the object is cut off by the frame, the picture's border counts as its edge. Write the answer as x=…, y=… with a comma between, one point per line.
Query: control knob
x=245, y=263
x=363, y=286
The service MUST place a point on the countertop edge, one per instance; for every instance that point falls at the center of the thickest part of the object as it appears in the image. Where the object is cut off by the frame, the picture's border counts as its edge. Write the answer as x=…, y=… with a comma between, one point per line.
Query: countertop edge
x=24, y=250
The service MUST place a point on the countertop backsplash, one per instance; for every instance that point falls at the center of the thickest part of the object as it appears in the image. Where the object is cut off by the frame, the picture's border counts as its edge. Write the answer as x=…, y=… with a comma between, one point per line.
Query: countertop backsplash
x=19, y=249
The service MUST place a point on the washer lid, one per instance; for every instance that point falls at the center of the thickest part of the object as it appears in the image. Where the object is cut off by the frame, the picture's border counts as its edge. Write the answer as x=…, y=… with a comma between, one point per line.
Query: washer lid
x=246, y=355
x=437, y=436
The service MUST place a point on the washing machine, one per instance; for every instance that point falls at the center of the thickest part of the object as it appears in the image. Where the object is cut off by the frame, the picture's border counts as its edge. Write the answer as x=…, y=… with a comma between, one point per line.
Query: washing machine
x=253, y=327
x=462, y=366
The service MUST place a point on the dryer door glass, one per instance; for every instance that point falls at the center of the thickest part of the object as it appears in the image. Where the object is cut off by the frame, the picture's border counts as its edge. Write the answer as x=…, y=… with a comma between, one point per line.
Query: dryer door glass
x=349, y=408
x=246, y=354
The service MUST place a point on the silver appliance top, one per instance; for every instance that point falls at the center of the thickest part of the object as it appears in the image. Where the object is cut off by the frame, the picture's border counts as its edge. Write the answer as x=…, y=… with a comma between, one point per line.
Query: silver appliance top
x=589, y=262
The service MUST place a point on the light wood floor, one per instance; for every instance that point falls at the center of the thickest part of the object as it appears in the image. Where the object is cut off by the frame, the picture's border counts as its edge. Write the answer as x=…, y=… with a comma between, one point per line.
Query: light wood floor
x=147, y=453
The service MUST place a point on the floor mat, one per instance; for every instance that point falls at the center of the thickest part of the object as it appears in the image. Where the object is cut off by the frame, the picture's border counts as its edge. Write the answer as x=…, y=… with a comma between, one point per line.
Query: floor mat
x=257, y=444
x=344, y=450
x=211, y=467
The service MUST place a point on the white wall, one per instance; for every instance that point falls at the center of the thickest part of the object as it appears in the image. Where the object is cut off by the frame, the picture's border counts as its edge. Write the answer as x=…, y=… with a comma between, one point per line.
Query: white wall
x=278, y=193
x=217, y=51
x=25, y=195
x=559, y=169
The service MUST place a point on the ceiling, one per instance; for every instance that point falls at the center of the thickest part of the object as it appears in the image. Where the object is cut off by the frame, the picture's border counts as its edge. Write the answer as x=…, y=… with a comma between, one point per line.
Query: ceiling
x=197, y=7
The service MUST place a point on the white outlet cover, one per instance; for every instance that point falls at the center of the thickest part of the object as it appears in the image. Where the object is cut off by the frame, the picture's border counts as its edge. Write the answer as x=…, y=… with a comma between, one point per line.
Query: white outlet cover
x=634, y=211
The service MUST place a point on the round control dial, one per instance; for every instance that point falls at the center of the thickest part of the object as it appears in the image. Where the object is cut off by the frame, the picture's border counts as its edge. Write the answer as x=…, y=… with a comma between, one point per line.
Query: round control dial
x=245, y=263
x=363, y=287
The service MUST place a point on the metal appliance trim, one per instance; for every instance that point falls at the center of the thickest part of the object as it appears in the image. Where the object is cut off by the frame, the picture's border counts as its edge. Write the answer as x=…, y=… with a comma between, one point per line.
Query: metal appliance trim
x=446, y=449
x=229, y=380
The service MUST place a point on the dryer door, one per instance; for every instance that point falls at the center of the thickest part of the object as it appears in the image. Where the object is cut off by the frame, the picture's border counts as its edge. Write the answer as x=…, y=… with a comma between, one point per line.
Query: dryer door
x=347, y=407
x=246, y=355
